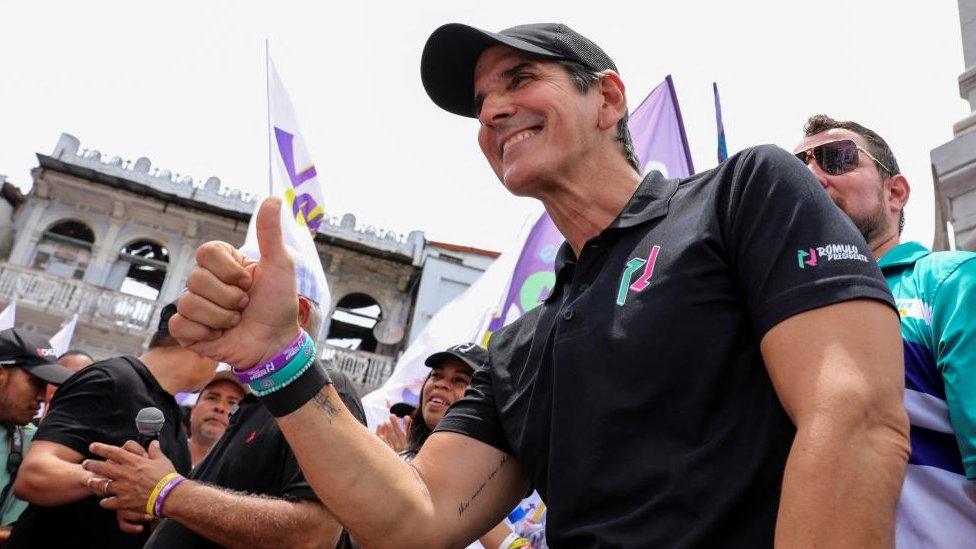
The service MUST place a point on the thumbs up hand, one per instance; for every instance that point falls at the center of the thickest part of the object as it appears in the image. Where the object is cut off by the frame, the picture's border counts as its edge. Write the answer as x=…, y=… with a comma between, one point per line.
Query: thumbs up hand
x=237, y=310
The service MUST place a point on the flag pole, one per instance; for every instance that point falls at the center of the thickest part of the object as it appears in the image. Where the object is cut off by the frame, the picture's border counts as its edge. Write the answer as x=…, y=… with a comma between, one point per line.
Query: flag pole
x=267, y=83
x=723, y=151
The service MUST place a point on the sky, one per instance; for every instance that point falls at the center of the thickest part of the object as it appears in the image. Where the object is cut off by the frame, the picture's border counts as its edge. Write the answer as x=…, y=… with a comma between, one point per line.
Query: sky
x=183, y=83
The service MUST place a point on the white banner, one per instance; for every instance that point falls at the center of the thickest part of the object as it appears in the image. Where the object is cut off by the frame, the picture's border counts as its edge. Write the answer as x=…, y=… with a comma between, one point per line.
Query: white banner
x=61, y=341
x=466, y=318
x=294, y=180
x=7, y=316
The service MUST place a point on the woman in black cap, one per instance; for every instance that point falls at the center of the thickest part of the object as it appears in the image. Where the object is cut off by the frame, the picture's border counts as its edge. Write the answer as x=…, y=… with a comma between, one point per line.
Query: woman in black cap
x=450, y=375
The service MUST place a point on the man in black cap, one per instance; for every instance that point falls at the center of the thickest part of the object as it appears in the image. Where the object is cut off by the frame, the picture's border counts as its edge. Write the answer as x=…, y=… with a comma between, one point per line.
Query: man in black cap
x=99, y=404
x=717, y=365
x=28, y=366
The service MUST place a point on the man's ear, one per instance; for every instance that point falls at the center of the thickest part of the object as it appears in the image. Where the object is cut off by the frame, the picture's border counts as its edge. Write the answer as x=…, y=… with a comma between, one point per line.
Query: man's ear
x=898, y=192
x=614, y=95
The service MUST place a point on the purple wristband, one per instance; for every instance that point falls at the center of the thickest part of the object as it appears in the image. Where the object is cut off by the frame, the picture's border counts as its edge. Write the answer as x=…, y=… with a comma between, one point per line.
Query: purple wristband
x=276, y=363
x=161, y=499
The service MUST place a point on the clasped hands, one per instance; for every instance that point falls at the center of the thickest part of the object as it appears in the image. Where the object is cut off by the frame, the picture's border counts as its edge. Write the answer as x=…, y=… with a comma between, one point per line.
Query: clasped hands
x=125, y=479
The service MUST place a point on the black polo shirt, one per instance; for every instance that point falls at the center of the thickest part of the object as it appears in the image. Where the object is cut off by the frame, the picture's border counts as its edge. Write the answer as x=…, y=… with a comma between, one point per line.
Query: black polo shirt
x=99, y=404
x=252, y=457
x=636, y=396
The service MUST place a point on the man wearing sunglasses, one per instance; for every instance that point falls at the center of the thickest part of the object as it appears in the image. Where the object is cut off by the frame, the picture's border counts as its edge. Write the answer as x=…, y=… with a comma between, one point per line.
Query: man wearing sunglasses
x=936, y=298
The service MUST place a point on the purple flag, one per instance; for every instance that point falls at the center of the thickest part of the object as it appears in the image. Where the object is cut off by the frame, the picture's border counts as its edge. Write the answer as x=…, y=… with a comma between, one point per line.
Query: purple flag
x=659, y=133
x=534, y=275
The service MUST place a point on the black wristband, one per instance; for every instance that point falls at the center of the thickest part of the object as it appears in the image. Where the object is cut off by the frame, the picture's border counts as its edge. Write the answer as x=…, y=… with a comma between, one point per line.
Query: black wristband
x=294, y=395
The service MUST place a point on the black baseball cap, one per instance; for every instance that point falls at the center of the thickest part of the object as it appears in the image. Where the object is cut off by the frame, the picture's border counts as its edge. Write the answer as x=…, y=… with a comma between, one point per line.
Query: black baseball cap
x=452, y=51
x=471, y=354
x=402, y=409
x=32, y=353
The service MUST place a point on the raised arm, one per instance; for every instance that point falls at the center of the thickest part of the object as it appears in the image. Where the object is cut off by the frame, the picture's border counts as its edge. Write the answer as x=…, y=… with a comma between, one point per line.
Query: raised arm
x=455, y=490
x=243, y=312
x=838, y=371
x=51, y=475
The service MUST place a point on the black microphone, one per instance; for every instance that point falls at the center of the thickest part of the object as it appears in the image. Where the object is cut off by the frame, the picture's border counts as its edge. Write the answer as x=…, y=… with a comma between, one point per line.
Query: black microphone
x=149, y=422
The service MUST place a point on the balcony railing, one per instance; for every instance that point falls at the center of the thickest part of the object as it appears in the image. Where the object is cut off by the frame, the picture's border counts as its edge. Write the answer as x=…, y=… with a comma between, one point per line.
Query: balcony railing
x=66, y=296
x=367, y=370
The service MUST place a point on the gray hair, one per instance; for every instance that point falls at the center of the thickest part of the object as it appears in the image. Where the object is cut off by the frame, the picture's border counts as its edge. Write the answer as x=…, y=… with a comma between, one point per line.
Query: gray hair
x=584, y=79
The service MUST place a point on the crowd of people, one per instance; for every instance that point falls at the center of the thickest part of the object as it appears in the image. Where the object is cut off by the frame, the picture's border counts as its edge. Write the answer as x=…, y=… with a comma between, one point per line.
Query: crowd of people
x=751, y=391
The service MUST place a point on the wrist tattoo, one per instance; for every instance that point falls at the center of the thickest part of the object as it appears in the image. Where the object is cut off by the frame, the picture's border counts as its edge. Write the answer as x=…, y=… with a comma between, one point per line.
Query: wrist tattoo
x=463, y=506
x=324, y=403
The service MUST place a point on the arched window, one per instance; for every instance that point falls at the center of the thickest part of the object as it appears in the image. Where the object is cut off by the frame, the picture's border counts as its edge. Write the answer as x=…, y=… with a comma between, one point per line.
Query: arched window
x=353, y=321
x=140, y=269
x=65, y=249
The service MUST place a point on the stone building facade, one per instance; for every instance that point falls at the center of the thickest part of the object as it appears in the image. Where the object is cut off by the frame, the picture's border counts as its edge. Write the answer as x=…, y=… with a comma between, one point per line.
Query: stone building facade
x=114, y=240
x=954, y=163
x=449, y=270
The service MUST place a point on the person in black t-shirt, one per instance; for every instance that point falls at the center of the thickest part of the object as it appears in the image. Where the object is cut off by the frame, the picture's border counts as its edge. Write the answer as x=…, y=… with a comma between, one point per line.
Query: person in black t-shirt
x=250, y=472
x=718, y=363
x=99, y=404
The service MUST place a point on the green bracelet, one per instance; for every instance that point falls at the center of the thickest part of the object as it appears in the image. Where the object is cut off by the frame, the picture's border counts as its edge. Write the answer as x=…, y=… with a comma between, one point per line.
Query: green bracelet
x=288, y=381
x=304, y=354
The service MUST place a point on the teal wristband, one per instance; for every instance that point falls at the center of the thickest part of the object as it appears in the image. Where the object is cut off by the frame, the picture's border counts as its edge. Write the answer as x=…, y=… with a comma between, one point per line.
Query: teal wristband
x=304, y=354
x=280, y=379
x=288, y=381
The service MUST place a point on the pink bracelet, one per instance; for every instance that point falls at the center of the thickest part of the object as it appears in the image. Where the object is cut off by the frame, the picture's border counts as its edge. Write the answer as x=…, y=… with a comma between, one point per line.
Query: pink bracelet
x=161, y=498
x=276, y=363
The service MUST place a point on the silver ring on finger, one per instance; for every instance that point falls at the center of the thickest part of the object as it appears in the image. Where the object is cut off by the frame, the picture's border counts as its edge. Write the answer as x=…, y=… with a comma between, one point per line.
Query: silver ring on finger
x=108, y=482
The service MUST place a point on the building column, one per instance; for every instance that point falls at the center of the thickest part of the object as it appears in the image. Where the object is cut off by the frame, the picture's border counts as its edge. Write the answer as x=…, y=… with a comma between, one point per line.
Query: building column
x=954, y=163
x=177, y=271
x=104, y=255
x=28, y=233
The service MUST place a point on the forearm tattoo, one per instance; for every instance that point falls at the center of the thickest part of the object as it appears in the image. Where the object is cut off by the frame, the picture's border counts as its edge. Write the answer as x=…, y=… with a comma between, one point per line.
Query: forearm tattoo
x=463, y=506
x=324, y=403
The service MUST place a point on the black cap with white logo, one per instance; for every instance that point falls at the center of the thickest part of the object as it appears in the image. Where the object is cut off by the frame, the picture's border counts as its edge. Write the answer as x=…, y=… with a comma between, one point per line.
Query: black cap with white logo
x=471, y=354
x=452, y=51
x=33, y=354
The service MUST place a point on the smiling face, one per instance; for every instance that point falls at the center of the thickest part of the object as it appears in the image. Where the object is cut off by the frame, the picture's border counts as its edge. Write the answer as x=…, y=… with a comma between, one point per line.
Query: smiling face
x=860, y=193
x=210, y=415
x=21, y=395
x=446, y=384
x=535, y=124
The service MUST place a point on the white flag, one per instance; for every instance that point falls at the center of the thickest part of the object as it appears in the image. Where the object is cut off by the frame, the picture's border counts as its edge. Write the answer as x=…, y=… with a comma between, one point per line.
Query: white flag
x=466, y=318
x=294, y=180
x=7, y=316
x=61, y=341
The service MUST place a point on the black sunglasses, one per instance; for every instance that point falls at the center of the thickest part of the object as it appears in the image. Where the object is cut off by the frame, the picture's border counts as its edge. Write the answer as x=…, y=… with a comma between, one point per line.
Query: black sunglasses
x=837, y=157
